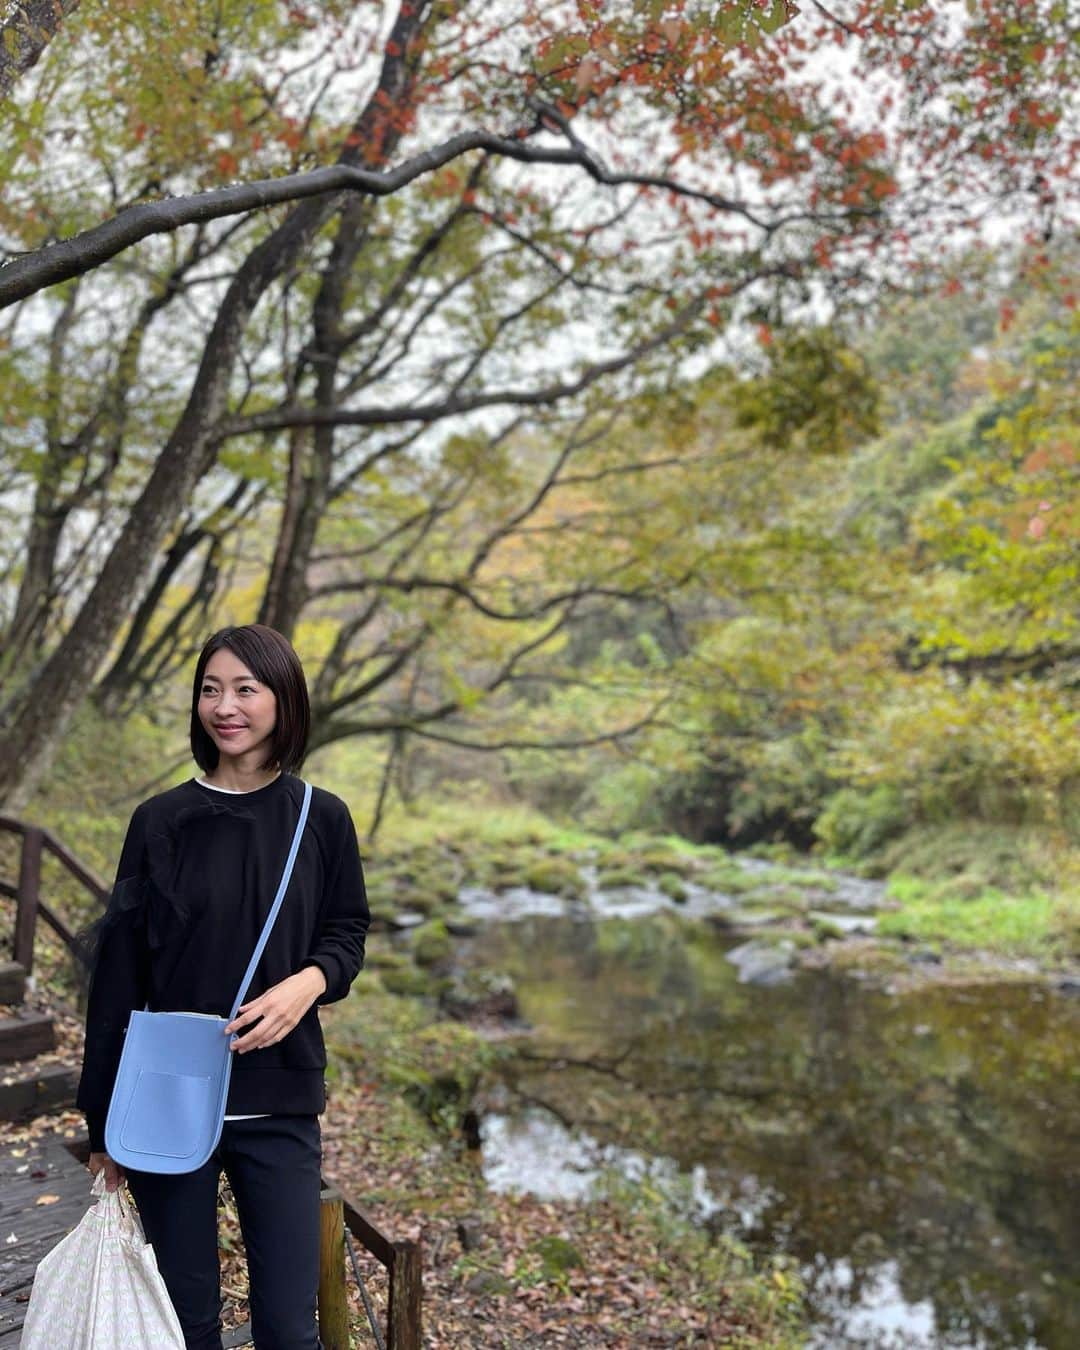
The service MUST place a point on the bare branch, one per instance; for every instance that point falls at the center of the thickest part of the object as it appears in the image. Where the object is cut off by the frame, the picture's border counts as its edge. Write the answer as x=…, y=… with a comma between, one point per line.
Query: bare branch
x=508, y=743
x=461, y=403
x=89, y=249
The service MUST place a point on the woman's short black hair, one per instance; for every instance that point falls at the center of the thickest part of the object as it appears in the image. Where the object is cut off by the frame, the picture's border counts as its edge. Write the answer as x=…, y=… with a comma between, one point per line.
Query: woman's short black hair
x=270, y=657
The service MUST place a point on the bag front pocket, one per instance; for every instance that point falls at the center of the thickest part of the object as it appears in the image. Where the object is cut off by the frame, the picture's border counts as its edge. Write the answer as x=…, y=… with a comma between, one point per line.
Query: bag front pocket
x=167, y=1114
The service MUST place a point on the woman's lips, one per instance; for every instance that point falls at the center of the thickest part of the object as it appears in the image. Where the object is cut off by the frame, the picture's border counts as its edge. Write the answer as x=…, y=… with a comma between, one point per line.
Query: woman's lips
x=228, y=731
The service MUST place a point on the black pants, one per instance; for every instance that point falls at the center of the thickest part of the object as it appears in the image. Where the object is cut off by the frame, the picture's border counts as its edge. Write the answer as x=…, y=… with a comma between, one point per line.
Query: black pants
x=273, y=1165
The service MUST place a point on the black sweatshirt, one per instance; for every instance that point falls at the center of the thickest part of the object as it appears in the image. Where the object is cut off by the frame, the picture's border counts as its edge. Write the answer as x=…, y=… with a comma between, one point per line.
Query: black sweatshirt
x=197, y=876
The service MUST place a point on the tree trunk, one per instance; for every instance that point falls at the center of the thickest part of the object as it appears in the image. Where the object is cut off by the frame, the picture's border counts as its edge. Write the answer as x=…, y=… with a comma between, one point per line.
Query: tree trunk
x=310, y=472
x=31, y=736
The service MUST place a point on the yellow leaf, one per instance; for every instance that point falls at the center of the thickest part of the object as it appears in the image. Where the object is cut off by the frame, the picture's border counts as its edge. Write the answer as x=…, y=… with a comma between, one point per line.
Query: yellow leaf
x=46, y=1200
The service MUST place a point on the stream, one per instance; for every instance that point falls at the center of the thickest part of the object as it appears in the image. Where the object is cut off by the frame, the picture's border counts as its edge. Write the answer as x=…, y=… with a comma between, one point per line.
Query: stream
x=916, y=1155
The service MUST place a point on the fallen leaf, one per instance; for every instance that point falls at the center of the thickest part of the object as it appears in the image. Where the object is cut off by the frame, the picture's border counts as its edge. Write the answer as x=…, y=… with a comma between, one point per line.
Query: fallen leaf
x=46, y=1200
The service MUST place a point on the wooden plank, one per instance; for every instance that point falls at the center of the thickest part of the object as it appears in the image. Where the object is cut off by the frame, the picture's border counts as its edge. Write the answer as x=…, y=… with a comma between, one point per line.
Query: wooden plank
x=12, y=982
x=333, y=1300
x=36, y=1090
x=29, y=1173
x=26, y=1035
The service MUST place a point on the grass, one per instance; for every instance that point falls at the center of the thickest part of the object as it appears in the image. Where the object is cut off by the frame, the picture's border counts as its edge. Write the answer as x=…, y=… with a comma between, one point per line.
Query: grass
x=1032, y=925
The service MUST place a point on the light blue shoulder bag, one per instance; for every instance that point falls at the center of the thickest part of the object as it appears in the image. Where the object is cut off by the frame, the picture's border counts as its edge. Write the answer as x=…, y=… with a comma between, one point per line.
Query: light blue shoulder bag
x=168, y=1101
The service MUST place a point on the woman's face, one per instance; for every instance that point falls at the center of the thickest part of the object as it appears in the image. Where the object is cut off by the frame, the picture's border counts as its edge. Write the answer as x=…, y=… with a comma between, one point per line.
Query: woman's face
x=237, y=711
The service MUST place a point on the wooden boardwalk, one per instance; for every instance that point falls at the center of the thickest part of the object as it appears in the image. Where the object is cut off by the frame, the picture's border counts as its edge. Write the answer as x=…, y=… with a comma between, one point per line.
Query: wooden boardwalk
x=31, y=1174
x=32, y=1221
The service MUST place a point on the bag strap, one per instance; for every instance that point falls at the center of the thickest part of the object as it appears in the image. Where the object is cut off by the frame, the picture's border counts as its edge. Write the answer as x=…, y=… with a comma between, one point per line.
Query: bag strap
x=275, y=908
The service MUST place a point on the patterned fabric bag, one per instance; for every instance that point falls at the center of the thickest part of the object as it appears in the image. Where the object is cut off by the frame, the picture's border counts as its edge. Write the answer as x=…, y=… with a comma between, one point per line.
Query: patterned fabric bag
x=100, y=1288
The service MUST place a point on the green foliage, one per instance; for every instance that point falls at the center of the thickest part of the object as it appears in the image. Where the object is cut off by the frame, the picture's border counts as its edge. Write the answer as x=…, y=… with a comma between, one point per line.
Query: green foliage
x=856, y=824
x=436, y=1065
x=816, y=397
x=985, y=854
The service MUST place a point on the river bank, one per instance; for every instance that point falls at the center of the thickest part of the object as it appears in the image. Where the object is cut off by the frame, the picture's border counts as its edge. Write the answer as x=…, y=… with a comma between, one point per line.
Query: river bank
x=505, y=1269
x=438, y=881
x=684, y=1019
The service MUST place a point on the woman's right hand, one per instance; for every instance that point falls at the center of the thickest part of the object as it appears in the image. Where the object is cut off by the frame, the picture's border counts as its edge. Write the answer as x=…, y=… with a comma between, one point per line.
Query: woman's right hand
x=114, y=1173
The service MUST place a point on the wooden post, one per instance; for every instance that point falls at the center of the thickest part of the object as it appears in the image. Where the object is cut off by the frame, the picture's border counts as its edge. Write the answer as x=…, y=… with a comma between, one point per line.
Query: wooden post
x=403, y=1322
x=333, y=1303
x=29, y=888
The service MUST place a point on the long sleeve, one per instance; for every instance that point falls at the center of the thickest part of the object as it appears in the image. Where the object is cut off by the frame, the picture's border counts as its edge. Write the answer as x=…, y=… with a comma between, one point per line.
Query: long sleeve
x=118, y=981
x=344, y=918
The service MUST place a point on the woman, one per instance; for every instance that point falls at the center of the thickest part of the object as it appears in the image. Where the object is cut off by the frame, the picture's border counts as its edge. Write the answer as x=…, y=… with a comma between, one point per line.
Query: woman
x=198, y=872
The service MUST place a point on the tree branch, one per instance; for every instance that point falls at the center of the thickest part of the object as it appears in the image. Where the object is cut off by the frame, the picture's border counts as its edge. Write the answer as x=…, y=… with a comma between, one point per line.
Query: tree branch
x=545, y=743
x=277, y=419
x=26, y=33
x=89, y=249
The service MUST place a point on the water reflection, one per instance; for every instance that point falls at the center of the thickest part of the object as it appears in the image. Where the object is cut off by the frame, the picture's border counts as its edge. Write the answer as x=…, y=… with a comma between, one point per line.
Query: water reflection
x=918, y=1154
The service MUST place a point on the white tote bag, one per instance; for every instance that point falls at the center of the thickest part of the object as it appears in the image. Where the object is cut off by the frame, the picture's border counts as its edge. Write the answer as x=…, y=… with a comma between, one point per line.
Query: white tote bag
x=100, y=1288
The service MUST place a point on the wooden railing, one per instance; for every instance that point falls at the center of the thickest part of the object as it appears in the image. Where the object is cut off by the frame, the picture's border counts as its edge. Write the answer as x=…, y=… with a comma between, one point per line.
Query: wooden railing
x=27, y=891
x=401, y=1258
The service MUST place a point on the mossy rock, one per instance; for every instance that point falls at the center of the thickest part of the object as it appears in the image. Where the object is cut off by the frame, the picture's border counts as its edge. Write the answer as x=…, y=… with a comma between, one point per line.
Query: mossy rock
x=555, y=876
x=786, y=898
x=505, y=881
x=666, y=860
x=776, y=851
x=480, y=865
x=382, y=915
x=431, y=943
x=408, y=982
x=673, y=886
x=824, y=931
x=799, y=879
x=731, y=880
x=485, y=1283
x=557, y=1256
x=382, y=958
x=610, y=879
x=480, y=993
x=431, y=883
x=615, y=858
x=412, y=898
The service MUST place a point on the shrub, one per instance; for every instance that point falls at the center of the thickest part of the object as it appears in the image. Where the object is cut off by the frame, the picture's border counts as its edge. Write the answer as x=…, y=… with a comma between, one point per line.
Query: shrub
x=856, y=823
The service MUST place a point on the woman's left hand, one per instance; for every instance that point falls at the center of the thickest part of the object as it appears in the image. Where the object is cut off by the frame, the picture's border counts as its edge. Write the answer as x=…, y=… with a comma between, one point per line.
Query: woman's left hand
x=276, y=1011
